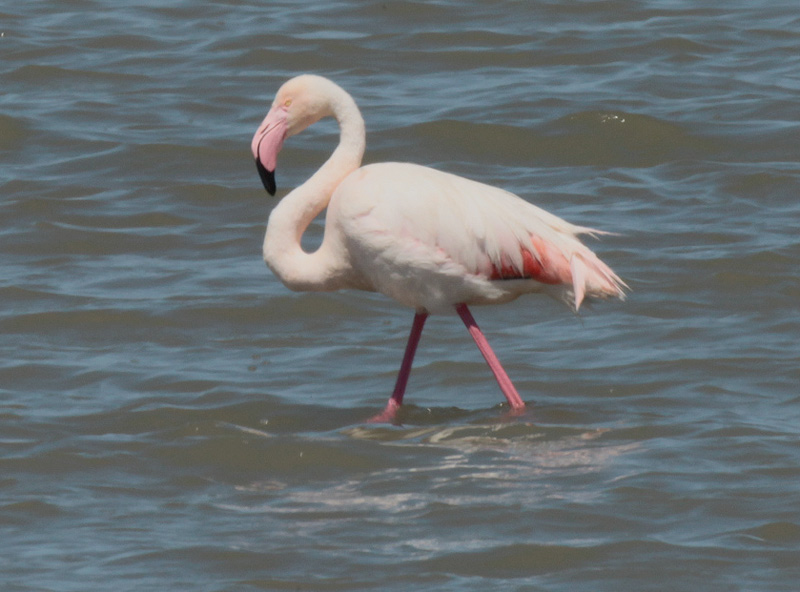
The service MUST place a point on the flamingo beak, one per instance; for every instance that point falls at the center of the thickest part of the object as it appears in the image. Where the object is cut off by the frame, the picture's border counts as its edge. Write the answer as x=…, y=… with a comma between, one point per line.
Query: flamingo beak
x=267, y=177
x=267, y=143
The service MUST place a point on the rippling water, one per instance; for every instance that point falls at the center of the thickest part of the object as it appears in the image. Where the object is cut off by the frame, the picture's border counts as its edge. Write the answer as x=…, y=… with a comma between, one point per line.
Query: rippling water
x=172, y=418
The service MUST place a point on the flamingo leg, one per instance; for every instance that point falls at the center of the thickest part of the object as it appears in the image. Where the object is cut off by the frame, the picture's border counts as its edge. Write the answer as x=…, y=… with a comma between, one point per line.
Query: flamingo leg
x=405, y=370
x=499, y=372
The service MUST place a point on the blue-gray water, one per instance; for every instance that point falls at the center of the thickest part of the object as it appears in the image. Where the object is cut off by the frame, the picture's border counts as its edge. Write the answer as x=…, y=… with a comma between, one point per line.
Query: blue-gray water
x=172, y=418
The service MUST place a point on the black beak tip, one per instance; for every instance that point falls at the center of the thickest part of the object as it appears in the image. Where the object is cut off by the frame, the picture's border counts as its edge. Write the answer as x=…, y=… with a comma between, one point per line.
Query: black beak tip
x=267, y=177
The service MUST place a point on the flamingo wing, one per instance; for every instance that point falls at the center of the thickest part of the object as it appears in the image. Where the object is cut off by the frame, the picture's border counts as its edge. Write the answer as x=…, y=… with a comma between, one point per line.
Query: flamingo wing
x=432, y=239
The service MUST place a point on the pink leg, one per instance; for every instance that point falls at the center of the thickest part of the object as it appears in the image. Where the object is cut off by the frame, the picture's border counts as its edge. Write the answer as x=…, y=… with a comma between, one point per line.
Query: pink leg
x=405, y=370
x=499, y=372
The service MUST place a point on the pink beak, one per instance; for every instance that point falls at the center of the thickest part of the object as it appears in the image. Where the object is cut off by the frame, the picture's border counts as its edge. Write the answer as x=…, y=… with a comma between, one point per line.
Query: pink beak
x=266, y=144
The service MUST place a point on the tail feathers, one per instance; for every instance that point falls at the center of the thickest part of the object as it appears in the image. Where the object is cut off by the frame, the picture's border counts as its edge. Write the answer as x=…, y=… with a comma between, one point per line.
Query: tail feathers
x=592, y=277
x=579, y=270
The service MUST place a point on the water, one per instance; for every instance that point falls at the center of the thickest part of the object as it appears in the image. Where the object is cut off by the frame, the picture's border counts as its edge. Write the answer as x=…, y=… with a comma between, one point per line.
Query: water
x=172, y=418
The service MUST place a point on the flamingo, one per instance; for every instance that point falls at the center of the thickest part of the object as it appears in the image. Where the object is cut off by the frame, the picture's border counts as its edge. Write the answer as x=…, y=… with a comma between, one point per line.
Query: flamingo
x=430, y=240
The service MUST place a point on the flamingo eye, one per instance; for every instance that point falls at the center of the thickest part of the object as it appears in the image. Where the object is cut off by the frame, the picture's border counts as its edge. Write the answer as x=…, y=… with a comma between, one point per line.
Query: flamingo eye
x=287, y=103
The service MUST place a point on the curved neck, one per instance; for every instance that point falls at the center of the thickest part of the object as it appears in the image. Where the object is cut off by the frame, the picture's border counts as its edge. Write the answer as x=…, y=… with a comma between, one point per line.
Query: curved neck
x=283, y=253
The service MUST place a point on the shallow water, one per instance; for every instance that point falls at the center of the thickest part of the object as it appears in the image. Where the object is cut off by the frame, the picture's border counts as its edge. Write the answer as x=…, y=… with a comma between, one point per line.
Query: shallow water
x=172, y=418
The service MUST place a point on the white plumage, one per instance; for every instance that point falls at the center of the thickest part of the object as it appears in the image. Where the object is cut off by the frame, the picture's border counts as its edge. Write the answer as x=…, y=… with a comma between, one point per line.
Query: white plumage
x=429, y=239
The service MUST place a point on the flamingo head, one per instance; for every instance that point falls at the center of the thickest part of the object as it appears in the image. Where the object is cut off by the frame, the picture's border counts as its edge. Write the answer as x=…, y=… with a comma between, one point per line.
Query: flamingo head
x=300, y=102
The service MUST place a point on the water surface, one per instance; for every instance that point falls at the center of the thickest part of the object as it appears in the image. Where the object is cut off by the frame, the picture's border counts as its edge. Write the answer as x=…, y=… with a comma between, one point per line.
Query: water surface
x=172, y=418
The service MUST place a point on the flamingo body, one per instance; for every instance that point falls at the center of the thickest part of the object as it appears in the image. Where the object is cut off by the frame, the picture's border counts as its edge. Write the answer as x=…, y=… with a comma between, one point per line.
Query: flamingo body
x=431, y=240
